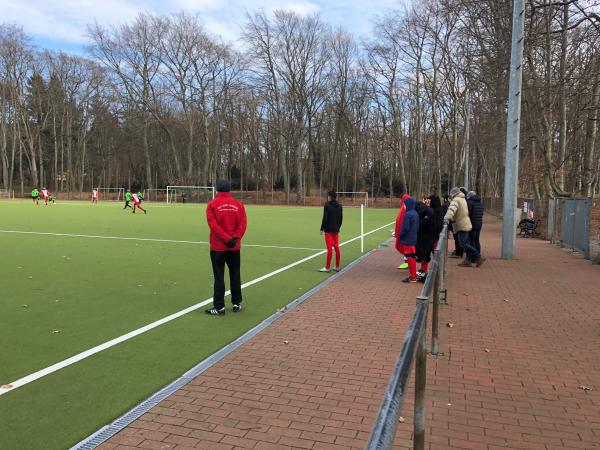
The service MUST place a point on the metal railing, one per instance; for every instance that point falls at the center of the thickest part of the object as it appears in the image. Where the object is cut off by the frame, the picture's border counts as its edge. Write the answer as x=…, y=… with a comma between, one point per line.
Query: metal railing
x=413, y=348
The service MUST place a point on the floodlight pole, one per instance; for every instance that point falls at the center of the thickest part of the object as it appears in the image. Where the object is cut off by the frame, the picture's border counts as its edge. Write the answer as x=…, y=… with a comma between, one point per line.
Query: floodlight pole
x=513, y=126
x=467, y=140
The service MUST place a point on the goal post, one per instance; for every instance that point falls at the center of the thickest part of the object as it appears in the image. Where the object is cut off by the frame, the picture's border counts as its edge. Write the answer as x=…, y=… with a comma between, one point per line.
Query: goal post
x=112, y=194
x=353, y=198
x=7, y=194
x=190, y=194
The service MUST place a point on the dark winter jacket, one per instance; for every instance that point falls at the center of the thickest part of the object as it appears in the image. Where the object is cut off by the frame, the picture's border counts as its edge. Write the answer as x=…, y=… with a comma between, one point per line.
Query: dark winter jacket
x=438, y=212
x=226, y=219
x=332, y=217
x=475, y=211
x=410, y=224
x=426, y=236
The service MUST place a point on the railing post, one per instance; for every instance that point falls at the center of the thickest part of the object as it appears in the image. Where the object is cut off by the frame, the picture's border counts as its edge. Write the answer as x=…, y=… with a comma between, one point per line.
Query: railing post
x=436, y=307
x=420, y=384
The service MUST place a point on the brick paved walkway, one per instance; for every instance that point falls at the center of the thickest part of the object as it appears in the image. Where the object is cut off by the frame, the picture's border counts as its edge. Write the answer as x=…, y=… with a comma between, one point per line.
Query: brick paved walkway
x=525, y=337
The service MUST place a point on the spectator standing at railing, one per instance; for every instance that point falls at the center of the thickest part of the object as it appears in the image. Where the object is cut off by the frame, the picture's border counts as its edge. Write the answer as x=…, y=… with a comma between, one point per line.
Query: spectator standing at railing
x=426, y=238
x=458, y=251
x=438, y=214
x=458, y=214
x=476, y=216
x=398, y=228
x=407, y=239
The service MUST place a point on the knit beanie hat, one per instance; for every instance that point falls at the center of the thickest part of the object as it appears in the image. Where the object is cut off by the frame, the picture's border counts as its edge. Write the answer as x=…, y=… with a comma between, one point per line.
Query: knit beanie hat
x=223, y=185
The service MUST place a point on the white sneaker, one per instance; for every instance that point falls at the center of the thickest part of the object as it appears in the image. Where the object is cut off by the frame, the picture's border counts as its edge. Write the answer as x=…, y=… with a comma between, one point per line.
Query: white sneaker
x=325, y=269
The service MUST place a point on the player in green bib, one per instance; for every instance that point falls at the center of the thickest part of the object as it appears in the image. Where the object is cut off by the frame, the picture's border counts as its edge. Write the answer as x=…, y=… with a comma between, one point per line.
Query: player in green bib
x=35, y=196
x=127, y=200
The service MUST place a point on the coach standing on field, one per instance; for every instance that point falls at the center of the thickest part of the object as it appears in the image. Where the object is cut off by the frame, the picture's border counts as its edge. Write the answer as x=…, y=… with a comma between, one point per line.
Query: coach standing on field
x=330, y=226
x=226, y=219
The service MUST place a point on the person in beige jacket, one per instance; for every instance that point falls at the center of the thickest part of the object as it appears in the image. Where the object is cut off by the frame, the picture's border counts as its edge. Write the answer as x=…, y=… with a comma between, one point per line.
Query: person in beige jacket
x=458, y=214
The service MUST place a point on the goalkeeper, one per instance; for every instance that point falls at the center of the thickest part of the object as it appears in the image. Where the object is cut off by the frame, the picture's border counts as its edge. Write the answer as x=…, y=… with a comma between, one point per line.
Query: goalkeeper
x=226, y=219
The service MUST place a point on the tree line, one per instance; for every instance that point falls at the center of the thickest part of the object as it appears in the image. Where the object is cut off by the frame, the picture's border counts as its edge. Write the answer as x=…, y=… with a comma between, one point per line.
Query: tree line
x=299, y=106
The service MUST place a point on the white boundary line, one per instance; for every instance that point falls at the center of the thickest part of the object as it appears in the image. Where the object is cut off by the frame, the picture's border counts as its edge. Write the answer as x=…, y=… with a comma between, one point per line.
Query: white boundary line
x=120, y=238
x=97, y=349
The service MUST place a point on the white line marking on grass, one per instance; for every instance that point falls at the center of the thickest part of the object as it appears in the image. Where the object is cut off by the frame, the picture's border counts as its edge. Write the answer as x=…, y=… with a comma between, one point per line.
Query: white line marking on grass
x=92, y=351
x=121, y=238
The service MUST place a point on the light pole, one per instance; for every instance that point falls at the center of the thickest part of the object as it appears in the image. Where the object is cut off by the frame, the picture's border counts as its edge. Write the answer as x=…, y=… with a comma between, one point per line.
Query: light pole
x=513, y=126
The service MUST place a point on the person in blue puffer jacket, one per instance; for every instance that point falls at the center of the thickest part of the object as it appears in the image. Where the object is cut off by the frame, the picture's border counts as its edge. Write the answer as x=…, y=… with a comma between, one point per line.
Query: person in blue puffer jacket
x=408, y=239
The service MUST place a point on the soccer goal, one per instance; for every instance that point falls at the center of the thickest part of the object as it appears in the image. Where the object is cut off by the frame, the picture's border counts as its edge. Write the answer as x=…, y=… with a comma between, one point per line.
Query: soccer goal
x=155, y=195
x=190, y=194
x=112, y=194
x=6, y=194
x=353, y=199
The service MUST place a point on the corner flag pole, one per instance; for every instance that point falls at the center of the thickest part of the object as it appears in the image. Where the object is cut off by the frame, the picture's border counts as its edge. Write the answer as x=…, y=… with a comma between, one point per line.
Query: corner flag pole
x=513, y=126
x=362, y=228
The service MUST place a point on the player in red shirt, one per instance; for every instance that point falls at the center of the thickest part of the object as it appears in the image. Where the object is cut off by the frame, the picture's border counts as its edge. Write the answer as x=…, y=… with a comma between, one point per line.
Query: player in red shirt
x=227, y=221
x=136, y=203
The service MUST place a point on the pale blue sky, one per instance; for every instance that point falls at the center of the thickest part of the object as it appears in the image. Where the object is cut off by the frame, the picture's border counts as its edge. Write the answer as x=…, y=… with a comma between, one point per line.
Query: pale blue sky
x=61, y=24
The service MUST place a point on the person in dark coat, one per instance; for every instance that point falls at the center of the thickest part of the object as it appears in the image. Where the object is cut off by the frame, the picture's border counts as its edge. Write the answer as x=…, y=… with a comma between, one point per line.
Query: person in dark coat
x=426, y=238
x=330, y=227
x=476, y=215
x=438, y=212
x=408, y=239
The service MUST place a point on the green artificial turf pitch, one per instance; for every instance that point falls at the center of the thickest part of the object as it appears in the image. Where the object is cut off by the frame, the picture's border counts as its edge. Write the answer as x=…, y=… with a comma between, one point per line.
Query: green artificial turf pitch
x=93, y=290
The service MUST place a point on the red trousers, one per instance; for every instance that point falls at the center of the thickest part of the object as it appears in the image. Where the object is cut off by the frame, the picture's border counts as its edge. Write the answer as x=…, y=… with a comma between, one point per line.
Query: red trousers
x=332, y=243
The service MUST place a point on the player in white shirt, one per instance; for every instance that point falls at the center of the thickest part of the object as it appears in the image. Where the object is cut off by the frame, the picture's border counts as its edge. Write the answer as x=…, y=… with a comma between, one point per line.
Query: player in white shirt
x=136, y=203
x=45, y=195
x=94, y=196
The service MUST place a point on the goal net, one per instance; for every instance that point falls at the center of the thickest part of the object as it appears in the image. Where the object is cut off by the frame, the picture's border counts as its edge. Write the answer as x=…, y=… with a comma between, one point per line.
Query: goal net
x=5, y=194
x=111, y=194
x=155, y=195
x=353, y=199
x=190, y=194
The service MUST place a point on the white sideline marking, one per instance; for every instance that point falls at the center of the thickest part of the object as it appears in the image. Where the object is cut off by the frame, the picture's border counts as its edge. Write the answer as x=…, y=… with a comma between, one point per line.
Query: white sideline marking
x=92, y=351
x=120, y=238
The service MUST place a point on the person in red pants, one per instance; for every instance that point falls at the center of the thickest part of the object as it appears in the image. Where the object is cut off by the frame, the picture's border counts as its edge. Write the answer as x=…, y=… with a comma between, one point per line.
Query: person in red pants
x=330, y=227
x=398, y=228
x=137, y=204
x=407, y=240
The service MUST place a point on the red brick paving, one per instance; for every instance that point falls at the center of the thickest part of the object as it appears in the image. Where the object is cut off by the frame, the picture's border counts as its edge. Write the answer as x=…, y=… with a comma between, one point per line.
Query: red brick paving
x=538, y=317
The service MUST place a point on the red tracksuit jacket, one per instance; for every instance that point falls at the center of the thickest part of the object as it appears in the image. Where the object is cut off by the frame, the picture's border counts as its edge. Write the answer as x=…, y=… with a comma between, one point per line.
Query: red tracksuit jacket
x=399, y=220
x=226, y=219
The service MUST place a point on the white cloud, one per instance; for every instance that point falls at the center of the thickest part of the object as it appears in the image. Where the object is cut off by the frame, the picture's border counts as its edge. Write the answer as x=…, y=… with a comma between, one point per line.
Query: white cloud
x=302, y=8
x=65, y=21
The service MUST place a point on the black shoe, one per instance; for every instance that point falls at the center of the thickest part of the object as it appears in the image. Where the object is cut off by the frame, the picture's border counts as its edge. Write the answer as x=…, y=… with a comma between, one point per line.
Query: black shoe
x=215, y=311
x=237, y=308
x=410, y=280
x=145, y=211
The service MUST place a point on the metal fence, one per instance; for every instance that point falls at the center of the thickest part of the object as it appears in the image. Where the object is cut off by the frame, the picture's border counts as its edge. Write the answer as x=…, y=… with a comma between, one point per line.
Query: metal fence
x=414, y=348
x=569, y=223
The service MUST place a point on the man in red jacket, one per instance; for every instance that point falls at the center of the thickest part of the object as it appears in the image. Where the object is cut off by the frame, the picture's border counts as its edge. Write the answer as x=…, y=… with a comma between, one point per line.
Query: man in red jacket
x=398, y=229
x=226, y=219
